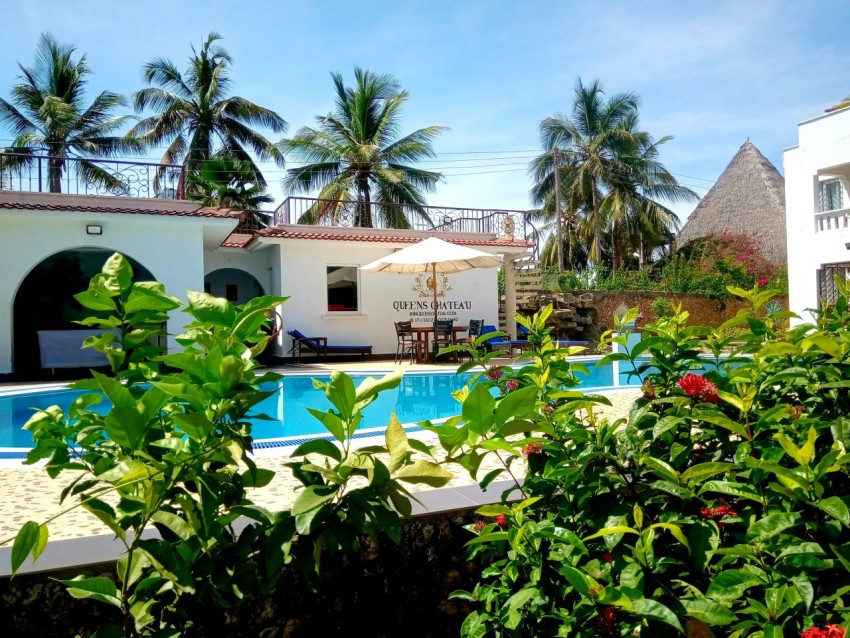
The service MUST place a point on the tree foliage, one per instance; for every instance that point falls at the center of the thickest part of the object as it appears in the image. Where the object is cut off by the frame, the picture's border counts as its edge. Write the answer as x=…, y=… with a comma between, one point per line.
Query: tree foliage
x=356, y=159
x=197, y=118
x=47, y=114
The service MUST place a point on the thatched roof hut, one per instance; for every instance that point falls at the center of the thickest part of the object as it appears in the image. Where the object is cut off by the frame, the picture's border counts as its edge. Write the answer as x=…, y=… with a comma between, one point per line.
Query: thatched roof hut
x=748, y=198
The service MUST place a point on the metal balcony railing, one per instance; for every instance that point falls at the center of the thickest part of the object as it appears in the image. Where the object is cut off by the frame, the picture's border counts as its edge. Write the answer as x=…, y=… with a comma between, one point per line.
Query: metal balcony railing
x=326, y=212
x=74, y=175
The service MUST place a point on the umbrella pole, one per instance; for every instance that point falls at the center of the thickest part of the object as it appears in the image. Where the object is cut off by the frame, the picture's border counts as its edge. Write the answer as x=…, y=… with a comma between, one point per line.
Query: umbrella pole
x=434, y=279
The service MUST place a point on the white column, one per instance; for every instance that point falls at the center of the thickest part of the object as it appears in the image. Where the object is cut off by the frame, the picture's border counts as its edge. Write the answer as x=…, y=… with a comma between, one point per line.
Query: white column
x=510, y=295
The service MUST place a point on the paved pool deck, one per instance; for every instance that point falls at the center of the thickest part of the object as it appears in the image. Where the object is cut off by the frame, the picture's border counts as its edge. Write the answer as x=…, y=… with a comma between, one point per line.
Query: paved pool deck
x=28, y=493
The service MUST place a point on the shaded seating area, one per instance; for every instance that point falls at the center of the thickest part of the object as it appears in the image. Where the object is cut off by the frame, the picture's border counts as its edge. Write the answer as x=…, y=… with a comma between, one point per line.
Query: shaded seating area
x=319, y=345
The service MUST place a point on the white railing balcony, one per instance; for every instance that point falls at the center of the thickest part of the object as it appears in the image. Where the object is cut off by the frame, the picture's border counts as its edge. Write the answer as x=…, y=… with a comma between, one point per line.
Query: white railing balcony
x=832, y=220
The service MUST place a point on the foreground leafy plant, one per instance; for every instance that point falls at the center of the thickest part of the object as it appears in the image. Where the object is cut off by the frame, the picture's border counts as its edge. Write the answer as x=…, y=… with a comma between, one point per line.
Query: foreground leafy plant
x=173, y=453
x=719, y=507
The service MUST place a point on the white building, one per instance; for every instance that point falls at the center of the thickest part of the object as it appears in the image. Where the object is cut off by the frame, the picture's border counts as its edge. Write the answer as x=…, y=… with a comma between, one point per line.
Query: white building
x=49, y=242
x=817, y=184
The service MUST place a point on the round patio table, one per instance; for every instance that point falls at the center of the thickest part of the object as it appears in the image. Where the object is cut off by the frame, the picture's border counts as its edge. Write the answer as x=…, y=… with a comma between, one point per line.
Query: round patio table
x=422, y=334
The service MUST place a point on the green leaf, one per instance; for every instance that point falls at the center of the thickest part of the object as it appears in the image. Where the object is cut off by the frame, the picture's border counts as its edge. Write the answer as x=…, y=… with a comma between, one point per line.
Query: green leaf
x=97, y=588
x=341, y=393
x=517, y=404
x=32, y=538
x=732, y=489
x=698, y=473
x=173, y=522
x=426, y=472
x=211, y=310
x=149, y=295
x=318, y=446
x=836, y=508
x=708, y=611
x=478, y=409
x=475, y=625
x=675, y=530
x=118, y=269
x=610, y=531
x=730, y=585
x=332, y=423
x=257, y=477
x=771, y=525
x=196, y=425
x=396, y=443
x=371, y=387
x=654, y=610
x=312, y=497
x=96, y=300
x=124, y=424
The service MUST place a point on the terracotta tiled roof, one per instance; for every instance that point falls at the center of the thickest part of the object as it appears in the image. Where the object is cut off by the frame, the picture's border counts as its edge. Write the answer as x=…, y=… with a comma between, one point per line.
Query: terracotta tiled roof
x=238, y=240
x=288, y=233
x=198, y=212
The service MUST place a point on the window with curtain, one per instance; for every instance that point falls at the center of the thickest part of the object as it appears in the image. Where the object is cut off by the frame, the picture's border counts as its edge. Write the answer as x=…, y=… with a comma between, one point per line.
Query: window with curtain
x=342, y=289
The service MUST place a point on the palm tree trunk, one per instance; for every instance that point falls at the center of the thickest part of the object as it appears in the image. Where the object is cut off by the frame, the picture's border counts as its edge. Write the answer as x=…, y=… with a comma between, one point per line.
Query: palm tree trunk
x=364, y=206
x=54, y=173
x=596, y=251
x=616, y=252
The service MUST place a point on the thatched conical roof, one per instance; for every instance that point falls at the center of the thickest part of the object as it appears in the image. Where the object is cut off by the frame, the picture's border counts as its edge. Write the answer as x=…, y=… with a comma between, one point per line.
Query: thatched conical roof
x=748, y=198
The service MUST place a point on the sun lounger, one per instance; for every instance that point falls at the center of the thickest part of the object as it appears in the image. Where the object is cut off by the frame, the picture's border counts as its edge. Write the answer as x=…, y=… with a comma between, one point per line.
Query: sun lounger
x=319, y=345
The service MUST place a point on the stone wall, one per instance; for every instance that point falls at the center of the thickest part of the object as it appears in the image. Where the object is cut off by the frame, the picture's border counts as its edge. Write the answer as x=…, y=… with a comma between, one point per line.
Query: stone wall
x=382, y=592
x=584, y=314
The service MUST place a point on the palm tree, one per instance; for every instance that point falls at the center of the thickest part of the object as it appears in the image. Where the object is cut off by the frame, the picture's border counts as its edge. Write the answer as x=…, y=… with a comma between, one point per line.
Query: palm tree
x=355, y=156
x=195, y=116
x=225, y=182
x=610, y=176
x=47, y=114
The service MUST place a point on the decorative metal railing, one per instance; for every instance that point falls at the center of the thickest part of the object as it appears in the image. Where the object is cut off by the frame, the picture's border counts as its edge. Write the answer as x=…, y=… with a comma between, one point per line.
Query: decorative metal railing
x=827, y=290
x=326, y=212
x=73, y=175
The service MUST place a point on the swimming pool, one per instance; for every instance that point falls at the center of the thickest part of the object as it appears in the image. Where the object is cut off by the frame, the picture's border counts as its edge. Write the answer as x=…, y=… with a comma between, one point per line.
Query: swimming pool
x=420, y=396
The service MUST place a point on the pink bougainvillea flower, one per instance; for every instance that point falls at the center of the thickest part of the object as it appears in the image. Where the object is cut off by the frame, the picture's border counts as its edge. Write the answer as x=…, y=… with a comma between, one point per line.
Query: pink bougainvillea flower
x=699, y=388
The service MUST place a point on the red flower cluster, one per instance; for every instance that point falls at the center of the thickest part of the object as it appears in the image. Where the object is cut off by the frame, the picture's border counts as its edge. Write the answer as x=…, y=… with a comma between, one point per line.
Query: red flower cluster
x=501, y=520
x=648, y=390
x=511, y=385
x=699, y=388
x=830, y=631
x=494, y=373
x=532, y=448
x=607, y=557
x=763, y=281
x=606, y=622
x=720, y=510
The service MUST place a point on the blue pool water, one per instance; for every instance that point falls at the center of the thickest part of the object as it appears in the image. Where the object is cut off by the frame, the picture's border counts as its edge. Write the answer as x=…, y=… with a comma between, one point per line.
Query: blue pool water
x=420, y=396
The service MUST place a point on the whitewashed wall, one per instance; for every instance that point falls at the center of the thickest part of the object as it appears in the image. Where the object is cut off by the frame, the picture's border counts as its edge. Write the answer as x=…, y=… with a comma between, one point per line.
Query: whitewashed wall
x=824, y=147
x=384, y=297
x=170, y=248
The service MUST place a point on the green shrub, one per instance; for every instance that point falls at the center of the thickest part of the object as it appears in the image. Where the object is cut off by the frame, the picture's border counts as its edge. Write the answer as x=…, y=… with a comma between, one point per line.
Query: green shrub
x=661, y=307
x=719, y=507
x=174, y=453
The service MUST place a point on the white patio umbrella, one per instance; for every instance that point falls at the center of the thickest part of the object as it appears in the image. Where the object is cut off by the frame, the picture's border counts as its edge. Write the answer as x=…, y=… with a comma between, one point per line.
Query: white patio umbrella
x=434, y=255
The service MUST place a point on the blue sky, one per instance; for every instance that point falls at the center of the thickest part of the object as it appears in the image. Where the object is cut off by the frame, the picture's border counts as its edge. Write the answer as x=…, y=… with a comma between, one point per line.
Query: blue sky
x=711, y=74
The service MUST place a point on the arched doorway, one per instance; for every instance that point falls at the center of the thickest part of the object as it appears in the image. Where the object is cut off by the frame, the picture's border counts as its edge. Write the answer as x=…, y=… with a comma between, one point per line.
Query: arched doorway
x=237, y=286
x=45, y=301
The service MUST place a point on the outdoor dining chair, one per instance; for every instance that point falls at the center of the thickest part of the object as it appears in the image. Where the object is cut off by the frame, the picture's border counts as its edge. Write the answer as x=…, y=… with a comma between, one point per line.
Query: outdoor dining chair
x=407, y=344
x=443, y=329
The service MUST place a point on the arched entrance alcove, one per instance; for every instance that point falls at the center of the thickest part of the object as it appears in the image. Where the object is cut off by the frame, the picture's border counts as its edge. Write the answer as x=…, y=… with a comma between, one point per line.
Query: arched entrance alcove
x=45, y=301
x=235, y=285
